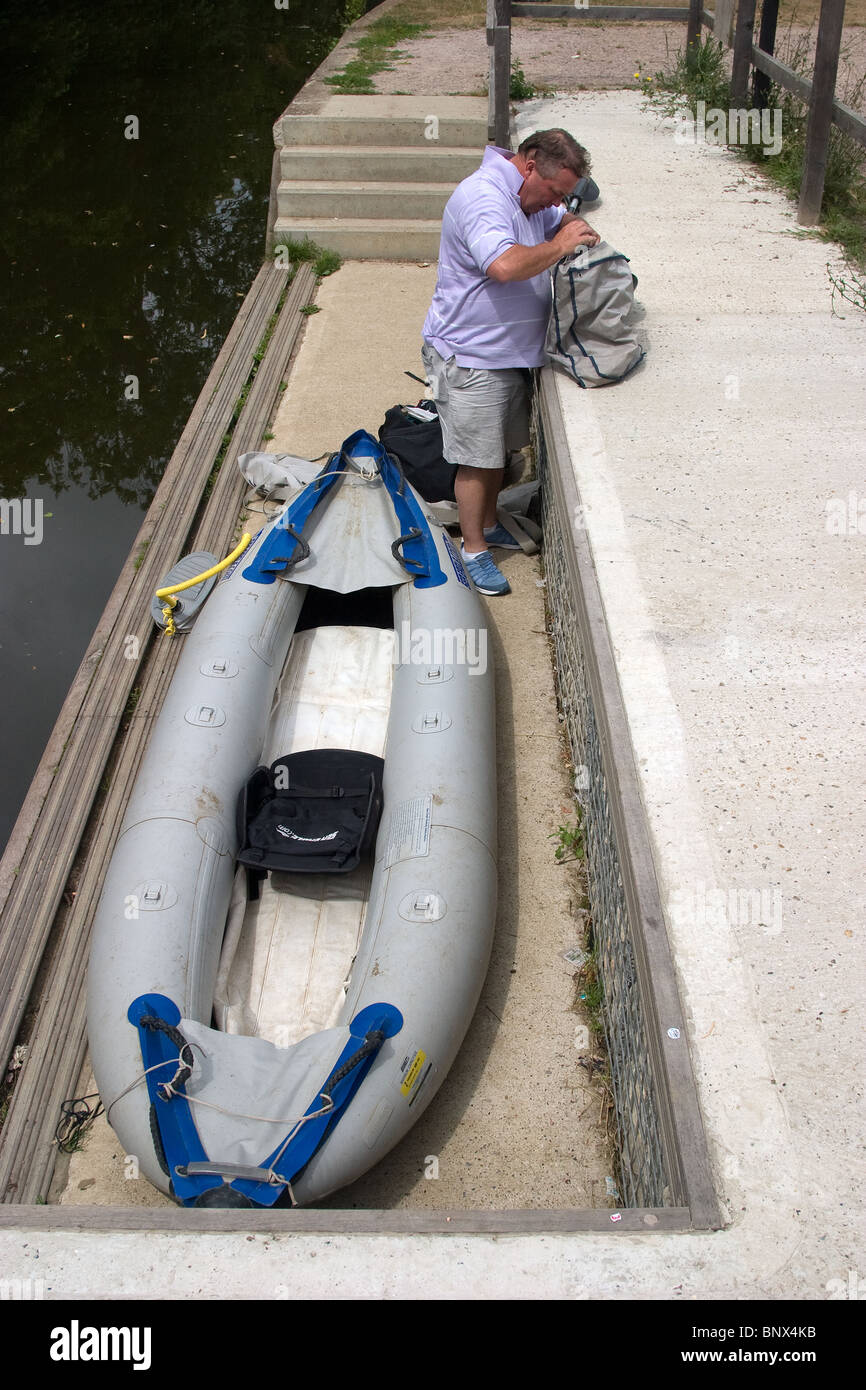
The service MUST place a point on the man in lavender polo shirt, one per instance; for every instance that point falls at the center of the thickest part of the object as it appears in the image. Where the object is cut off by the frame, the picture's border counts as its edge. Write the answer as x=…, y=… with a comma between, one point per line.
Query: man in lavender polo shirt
x=502, y=229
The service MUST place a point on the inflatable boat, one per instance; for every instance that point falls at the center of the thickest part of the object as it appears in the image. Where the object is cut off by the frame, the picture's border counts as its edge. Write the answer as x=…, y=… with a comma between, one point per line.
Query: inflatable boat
x=297, y=919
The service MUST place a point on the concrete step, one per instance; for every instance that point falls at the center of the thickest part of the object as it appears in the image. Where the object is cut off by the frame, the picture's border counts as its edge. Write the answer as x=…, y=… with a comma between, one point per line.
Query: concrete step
x=343, y=198
x=366, y=238
x=423, y=132
x=391, y=120
x=379, y=163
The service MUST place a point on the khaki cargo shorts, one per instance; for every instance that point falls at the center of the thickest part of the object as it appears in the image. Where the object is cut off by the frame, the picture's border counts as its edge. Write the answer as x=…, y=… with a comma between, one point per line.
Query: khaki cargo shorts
x=484, y=414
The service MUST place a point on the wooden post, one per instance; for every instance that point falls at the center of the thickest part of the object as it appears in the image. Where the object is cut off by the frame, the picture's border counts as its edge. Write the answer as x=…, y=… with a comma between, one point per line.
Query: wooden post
x=742, y=53
x=693, y=30
x=821, y=111
x=499, y=101
x=491, y=86
x=723, y=22
x=767, y=42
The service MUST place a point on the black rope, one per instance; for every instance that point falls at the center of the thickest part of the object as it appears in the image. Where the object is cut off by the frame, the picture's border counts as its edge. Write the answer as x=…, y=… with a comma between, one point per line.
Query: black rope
x=372, y=1042
x=159, y=1025
x=78, y=1116
x=301, y=552
x=402, y=476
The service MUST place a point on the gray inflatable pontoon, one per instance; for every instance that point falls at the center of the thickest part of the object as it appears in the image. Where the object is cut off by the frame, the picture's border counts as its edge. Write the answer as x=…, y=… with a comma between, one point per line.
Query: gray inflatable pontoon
x=268, y=1030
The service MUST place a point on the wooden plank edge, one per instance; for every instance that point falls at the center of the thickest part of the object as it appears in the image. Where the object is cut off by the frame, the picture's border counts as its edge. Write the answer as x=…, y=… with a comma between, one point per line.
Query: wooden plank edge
x=264, y=397
x=58, y=1045
x=28, y=1152
x=58, y=1042
x=219, y=526
x=336, y=1221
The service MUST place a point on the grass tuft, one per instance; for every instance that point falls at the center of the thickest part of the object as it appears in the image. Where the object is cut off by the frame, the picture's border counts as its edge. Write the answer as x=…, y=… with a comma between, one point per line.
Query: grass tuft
x=376, y=48
x=698, y=75
x=520, y=89
x=571, y=845
x=290, y=252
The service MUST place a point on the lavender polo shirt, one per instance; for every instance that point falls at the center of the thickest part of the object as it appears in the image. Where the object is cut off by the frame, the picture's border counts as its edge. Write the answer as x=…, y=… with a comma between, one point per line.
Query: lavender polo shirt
x=483, y=322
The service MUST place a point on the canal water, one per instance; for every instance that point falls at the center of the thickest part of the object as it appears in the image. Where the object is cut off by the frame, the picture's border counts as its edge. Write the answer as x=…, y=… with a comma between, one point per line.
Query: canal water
x=137, y=161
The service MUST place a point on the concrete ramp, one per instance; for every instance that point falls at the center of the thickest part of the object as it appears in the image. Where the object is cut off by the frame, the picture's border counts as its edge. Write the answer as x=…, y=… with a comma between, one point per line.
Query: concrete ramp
x=721, y=488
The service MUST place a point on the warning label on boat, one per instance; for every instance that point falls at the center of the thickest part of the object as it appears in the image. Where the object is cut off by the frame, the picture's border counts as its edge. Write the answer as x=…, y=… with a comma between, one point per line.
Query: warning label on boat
x=411, y=1070
x=409, y=831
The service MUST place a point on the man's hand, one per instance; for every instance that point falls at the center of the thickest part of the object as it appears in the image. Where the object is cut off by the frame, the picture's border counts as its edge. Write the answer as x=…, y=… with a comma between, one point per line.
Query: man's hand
x=573, y=232
x=522, y=262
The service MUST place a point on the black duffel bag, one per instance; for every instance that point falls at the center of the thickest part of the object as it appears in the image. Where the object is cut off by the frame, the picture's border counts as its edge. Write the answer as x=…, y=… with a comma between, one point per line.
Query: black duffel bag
x=417, y=443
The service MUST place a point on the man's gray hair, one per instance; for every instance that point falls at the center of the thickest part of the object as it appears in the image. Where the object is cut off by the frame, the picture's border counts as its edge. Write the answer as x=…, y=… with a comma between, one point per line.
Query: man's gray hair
x=554, y=150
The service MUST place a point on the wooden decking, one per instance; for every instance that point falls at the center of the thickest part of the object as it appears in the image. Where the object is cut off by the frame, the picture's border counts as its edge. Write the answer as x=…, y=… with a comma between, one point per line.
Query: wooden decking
x=52, y=870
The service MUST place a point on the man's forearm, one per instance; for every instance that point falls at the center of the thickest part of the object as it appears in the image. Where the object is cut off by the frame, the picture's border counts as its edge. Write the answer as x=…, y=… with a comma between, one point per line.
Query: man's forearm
x=523, y=262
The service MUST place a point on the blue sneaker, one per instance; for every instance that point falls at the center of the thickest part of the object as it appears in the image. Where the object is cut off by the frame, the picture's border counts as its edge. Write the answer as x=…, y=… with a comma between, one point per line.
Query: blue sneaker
x=484, y=574
x=497, y=535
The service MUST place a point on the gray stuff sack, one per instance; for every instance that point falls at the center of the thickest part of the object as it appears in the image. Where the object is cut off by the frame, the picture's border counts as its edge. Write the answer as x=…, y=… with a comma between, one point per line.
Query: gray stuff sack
x=590, y=335
x=269, y=473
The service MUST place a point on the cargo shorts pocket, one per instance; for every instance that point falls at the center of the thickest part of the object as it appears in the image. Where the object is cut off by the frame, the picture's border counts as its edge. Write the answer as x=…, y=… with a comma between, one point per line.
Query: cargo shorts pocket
x=461, y=377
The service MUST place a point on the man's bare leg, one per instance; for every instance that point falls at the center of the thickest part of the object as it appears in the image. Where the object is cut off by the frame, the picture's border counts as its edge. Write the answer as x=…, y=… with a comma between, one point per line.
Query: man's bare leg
x=476, y=491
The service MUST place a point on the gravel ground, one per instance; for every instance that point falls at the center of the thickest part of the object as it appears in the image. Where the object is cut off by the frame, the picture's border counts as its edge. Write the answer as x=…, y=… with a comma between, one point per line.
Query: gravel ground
x=567, y=57
x=551, y=55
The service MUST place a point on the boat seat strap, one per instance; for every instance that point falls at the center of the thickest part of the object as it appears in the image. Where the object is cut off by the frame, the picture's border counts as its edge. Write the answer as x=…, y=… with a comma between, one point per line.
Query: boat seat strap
x=334, y=792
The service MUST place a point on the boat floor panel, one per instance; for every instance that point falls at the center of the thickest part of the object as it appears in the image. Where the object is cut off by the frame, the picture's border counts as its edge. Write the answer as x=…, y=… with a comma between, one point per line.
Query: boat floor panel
x=335, y=692
x=287, y=956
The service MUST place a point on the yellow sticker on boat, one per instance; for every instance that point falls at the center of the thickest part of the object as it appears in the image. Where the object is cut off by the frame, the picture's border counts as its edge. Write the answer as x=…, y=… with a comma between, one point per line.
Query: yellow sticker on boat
x=414, y=1072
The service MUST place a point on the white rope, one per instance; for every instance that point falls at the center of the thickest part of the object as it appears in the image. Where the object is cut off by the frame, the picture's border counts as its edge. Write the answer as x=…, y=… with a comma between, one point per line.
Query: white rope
x=138, y=1080
x=274, y=1177
x=369, y=475
x=238, y=1114
x=326, y=1110
x=168, y=1086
